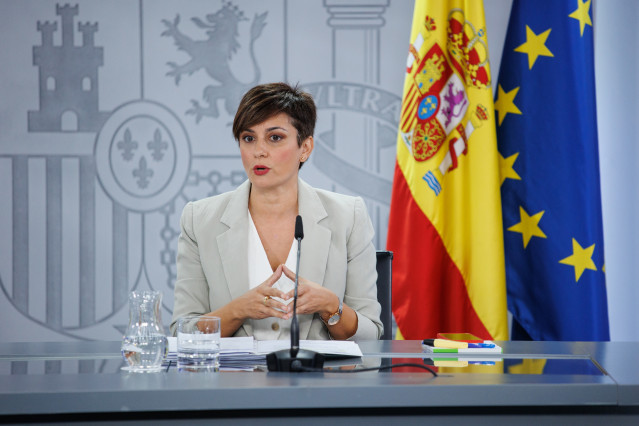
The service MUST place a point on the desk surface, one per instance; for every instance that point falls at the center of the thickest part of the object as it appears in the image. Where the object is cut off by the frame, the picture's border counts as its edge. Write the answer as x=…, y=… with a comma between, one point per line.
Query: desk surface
x=85, y=377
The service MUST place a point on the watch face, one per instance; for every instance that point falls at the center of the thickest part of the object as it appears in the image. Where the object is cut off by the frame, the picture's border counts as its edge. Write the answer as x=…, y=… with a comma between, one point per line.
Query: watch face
x=333, y=320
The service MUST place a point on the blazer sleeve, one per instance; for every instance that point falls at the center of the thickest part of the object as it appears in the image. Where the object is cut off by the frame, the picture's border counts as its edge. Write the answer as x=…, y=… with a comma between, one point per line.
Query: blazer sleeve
x=361, y=276
x=191, y=293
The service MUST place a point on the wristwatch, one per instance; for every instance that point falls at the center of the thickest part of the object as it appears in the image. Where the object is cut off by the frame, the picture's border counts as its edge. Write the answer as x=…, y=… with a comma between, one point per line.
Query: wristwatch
x=334, y=318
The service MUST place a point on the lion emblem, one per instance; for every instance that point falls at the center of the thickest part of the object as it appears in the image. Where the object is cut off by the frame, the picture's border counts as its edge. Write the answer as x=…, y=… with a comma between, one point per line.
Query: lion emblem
x=213, y=55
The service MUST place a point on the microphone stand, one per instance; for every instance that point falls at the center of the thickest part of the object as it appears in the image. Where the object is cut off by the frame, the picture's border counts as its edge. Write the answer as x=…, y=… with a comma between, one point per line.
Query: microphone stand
x=295, y=326
x=293, y=359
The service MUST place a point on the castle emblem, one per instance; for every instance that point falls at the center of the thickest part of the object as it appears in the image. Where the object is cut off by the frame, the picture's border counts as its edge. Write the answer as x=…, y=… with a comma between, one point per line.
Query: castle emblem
x=213, y=55
x=68, y=78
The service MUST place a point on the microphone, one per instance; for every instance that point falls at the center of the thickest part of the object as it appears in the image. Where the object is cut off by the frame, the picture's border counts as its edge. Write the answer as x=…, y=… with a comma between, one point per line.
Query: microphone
x=294, y=359
x=299, y=232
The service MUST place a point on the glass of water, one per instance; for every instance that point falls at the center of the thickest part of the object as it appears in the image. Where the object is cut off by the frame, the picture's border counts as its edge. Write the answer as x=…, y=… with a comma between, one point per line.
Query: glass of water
x=198, y=343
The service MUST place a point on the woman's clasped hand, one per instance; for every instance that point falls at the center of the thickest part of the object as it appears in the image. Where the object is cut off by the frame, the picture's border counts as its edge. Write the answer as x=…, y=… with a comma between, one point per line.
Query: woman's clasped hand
x=264, y=301
x=311, y=297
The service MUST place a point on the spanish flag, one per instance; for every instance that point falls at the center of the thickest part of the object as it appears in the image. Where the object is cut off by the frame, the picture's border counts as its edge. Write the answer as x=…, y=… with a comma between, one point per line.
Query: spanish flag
x=445, y=224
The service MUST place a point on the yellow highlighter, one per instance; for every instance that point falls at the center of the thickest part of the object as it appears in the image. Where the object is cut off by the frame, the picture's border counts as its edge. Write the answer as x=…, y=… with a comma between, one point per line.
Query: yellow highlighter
x=447, y=344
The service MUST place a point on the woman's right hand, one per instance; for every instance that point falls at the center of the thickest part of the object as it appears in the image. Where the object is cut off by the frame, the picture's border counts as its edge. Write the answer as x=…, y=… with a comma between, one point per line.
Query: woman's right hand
x=258, y=303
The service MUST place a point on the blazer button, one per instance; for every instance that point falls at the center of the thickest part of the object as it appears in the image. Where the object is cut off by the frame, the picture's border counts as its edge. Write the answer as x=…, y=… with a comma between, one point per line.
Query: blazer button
x=275, y=326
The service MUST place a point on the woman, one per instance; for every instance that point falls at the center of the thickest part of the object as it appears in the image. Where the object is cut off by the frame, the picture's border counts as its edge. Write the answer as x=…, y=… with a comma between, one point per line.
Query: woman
x=237, y=253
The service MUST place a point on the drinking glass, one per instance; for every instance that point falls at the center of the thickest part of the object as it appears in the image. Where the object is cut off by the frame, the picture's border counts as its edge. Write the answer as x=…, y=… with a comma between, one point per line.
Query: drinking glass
x=198, y=343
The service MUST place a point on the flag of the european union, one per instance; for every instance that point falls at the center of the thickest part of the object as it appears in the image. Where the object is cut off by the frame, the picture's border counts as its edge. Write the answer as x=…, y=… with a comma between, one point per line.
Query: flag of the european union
x=547, y=137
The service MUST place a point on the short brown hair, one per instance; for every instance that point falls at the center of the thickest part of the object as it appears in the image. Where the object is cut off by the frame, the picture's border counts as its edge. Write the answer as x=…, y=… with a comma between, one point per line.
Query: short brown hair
x=266, y=100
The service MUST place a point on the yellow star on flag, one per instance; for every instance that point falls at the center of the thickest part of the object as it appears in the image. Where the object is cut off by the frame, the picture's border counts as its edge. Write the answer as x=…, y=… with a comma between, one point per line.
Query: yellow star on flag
x=505, y=103
x=529, y=226
x=581, y=259
x=535, y=46
x=506, y=170
x=582, y=14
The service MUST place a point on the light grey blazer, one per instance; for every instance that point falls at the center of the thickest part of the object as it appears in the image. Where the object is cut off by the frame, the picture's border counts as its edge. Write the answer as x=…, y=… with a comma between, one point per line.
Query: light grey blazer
x=337, y=253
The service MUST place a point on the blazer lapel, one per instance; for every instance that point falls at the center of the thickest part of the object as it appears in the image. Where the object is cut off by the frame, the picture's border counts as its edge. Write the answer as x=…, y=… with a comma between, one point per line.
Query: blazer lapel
x=233, y=245
x=315, y=245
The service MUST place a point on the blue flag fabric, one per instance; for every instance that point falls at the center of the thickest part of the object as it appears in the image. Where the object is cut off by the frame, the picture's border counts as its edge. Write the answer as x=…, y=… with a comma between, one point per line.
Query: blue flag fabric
x=547, y=137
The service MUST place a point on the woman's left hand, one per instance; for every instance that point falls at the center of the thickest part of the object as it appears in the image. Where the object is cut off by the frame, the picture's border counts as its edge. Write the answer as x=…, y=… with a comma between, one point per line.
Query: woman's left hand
x=312, y=297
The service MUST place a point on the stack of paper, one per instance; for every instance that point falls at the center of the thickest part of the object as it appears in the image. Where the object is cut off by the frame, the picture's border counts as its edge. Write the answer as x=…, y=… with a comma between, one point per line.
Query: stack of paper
x=340, y=348
x=246, y=353
x=236, y=353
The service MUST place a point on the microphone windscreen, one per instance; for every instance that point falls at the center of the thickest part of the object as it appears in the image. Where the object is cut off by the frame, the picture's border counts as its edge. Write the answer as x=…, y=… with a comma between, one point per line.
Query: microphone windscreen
x=299, y=229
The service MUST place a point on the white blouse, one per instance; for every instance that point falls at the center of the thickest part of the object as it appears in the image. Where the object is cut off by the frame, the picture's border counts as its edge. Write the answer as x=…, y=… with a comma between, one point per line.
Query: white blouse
x=259, y=269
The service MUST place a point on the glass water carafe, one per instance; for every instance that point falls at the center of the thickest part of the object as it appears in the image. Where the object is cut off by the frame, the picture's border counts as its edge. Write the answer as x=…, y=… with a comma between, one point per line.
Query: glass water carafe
x=144, y=345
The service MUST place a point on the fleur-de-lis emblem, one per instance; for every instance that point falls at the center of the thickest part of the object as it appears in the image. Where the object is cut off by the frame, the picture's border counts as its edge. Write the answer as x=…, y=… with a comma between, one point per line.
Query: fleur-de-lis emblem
x=157, y=146
x=127, y=146
x=143, y=173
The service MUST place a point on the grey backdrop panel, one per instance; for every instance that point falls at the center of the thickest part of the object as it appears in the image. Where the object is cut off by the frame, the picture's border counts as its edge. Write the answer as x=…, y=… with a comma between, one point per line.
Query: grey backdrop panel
x=114, y=114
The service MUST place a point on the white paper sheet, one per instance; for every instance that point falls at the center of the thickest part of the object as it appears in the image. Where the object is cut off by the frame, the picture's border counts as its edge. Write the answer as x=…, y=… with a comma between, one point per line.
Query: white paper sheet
x=326, y=347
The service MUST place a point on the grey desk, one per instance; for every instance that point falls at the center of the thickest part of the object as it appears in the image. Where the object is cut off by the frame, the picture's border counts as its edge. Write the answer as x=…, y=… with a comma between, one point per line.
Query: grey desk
x=82, y=381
